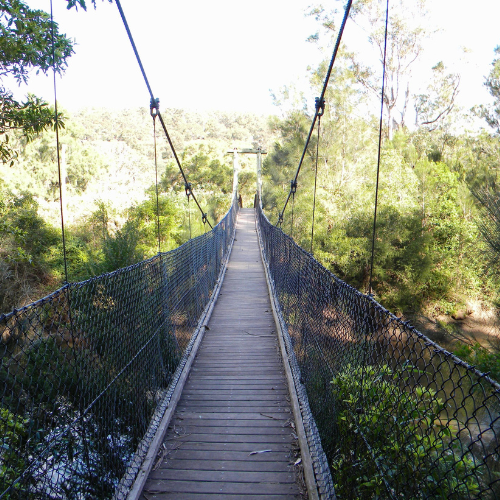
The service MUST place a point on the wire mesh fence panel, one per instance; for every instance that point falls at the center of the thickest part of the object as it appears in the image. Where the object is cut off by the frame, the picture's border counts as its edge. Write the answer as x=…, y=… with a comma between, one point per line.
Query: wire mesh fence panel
x=85, y=370
x=398, y=416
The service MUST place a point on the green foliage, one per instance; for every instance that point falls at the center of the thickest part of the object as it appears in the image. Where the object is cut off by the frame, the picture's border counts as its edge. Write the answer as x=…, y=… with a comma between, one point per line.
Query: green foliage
x=427, y=253
x=121, y=249
x=27, y=241
x=47, y=363
x=439, y=100
x=12, y=461
x=24, y=45
x=483, y=359
x=408, y=445
x=146, y=217
x=202, y=169
x=492, y=114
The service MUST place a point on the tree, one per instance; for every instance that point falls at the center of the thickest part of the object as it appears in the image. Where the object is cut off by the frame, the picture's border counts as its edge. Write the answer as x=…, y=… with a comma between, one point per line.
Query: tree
x=26, y=45
x=405, y=35
x=492, y=116
x=437, y=103
x=406, y=32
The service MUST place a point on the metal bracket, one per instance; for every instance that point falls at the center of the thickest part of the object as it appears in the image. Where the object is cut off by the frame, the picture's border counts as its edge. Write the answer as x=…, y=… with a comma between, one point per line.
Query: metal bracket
x=320, y=106
x=154, y=107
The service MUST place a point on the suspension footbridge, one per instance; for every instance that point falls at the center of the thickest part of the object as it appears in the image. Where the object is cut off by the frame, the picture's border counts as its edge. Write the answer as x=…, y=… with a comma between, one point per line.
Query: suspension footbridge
x=236, y=366
x=140, y=384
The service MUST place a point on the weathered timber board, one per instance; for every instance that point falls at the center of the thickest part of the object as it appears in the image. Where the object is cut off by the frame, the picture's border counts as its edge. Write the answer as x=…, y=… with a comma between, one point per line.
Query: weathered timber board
x=235, y=401
x=213, y=496
x=247, y=448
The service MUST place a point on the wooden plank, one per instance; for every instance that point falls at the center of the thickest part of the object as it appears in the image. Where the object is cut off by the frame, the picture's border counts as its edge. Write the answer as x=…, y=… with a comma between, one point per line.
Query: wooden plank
x=277, y=455
x=232, y=465
x=243, y=363
x=235, y=392
x=265, y=397
x=228, y=379
x=225, y=407
x=266, y=374
x=220, y=421
x=172, y=446
x=273, y=432
x=217, y=496
x=208, y=437
x=235, y=488
x=228, y=385
x=235, y=415
x=223, y=475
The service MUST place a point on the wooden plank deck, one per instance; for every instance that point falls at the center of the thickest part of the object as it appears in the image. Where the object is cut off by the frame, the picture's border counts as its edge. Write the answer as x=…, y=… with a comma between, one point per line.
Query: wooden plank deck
x=235, y=401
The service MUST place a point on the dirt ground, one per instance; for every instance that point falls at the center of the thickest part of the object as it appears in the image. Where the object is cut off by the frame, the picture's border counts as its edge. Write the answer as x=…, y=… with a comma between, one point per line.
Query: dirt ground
x=476, y=324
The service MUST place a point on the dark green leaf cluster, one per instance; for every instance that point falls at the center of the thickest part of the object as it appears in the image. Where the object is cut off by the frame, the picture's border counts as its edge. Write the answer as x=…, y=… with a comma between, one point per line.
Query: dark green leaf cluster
x=26, y=45
x=492, y=115
x=485, y=360
x=397, y=437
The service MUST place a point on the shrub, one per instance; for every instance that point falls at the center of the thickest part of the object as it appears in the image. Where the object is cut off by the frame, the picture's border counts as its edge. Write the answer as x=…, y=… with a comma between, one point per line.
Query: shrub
x=12, y=434
x=483, y=359
x=393, y=436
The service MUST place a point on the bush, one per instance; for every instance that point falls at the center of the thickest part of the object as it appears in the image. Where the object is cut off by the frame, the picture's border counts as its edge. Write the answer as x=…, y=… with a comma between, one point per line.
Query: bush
x=12, y=463
x=393, y=436
x=483, y=359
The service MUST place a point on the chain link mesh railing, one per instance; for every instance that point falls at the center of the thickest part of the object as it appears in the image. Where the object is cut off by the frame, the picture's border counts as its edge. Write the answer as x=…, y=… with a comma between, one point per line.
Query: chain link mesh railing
x=86, y=372
x=398, y=416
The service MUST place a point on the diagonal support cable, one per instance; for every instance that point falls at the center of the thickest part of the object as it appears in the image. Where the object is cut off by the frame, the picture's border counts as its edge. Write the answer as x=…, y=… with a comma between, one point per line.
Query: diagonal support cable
x=382, y=93
x=321, y=98
x=129, y=33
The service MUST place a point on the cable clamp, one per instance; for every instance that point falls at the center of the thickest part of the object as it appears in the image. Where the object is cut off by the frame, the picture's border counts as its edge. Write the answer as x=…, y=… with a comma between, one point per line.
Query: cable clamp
x=293, y=186
x=320, y=106
x=204, y=218
x=280, y=218
x=154, y=107
x=188, y=188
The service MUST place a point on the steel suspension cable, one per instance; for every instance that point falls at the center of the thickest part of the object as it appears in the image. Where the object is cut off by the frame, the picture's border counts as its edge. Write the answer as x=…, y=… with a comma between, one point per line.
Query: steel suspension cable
x=293, y=189
x=188, y=194
x=154, y=108
x=316, y=175
x=56, y=126
x=320, y=99
x=167, y=135
x=368, y=327
x=86, y=453
x=379, y=149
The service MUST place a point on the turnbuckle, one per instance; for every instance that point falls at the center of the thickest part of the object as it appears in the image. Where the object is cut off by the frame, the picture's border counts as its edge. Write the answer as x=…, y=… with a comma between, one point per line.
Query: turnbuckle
x=154, y=107
x=320, y=106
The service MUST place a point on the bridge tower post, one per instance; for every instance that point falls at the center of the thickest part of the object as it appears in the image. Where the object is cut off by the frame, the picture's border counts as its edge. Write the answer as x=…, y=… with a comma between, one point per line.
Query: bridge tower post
x=236, y=169
x=259, y=173
x=259, y=152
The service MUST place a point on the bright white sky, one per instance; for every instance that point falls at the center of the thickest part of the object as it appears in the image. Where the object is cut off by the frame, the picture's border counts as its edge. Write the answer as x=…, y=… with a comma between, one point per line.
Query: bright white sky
x=228, y=54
